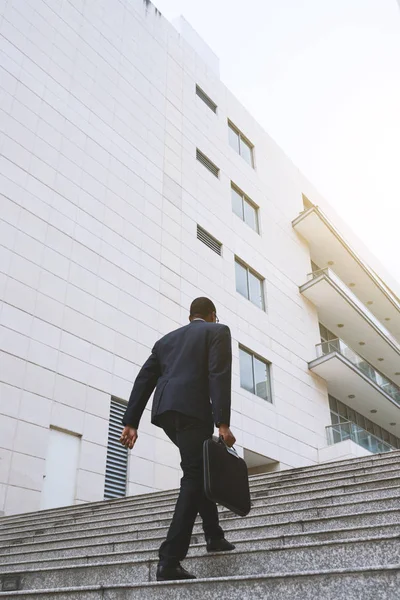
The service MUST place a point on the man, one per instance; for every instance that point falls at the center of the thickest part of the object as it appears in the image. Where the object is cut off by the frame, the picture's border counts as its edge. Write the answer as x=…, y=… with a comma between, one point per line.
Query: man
x=188, y=367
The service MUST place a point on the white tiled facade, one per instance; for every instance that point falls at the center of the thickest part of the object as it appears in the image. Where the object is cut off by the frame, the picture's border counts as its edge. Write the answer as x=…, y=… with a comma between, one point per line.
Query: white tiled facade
x=101, y=195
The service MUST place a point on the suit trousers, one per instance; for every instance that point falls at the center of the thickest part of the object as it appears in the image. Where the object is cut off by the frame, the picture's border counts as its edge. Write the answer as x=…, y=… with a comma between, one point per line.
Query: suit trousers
x=188, y=434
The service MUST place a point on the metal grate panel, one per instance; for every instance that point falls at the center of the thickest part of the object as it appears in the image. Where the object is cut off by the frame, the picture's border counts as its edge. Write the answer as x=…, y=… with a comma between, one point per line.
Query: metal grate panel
x=207, y=163
x=206, y=99
x=117, y=455
x=209, y=240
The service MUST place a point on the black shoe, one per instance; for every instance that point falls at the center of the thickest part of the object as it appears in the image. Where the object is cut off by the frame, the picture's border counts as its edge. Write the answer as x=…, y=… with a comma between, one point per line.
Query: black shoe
x=219, y=545
x=172, y=573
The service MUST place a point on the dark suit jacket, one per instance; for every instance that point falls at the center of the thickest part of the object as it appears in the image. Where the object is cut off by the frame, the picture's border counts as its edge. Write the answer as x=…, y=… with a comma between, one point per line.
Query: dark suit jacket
x=189, y=366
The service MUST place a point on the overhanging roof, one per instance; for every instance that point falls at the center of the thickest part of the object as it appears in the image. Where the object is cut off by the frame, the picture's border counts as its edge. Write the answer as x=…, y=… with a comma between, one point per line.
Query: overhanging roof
x=327, y=247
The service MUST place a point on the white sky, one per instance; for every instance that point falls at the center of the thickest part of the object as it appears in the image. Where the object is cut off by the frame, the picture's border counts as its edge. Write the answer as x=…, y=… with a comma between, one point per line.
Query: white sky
x=323, y=78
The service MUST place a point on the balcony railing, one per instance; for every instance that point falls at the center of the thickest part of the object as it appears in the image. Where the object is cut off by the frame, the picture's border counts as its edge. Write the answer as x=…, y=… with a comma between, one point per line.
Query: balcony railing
x=350, y=431
x=337, y=345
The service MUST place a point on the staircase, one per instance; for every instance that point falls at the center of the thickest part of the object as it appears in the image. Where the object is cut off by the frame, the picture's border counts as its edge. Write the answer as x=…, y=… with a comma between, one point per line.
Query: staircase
x=329, y=532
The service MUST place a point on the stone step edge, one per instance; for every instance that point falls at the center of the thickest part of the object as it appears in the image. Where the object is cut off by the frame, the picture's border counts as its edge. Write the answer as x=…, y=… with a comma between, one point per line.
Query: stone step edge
x=305, y=545
x=161, y=537
x=133, y=512
x=160, y=493
x=249, y=578
x=243, y=553
x=223, y=520
x=318, y=519
x=44, y=515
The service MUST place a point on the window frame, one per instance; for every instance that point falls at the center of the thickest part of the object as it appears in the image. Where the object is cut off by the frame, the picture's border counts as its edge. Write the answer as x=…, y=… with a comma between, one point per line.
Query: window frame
x=246, y=199
x=243, y=138
x=267, y=363
x=260, y=278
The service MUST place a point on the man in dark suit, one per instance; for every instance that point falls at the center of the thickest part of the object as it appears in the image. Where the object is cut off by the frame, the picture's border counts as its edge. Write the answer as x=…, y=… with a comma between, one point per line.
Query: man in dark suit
x=188, y=367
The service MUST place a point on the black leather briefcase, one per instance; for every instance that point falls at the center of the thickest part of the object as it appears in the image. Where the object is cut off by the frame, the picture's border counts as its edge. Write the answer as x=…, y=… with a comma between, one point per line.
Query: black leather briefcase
x=226, y=480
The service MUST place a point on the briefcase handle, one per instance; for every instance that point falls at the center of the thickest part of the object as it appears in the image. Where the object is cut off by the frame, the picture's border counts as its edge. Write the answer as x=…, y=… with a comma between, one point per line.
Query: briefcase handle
x=231, y=450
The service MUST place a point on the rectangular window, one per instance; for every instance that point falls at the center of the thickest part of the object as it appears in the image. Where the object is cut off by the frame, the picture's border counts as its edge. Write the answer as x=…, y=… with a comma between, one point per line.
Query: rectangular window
x=244, y=208
x=207, y=163
x=255, y=374
x=241, y=144
x=206, y=99
x=209, y=240
x=117, y=454
x=249, y=284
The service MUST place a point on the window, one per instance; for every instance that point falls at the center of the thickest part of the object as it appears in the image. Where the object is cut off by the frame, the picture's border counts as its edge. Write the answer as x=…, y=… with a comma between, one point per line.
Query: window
x=325, y=334
x=249, y=284
x=206, y=99
x=341, y=413
x=244, y=208
x=209, y=240
x=240, y=144
x=255, y=374
x=117, y=455
x=206, y=162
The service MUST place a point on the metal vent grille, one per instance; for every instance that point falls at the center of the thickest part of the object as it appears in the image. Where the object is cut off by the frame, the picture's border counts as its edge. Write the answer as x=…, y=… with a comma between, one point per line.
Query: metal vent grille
x=117, y=455
x=207, y=163
x=206, y=99
x=209, y=240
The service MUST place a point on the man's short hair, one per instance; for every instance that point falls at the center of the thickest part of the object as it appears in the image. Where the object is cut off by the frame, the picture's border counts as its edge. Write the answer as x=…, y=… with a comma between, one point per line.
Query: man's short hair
x=202, y=307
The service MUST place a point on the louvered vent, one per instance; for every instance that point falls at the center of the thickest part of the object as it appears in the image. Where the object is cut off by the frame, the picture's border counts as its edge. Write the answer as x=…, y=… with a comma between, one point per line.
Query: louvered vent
x=207, y=163
x=209, y=240
x=206, y=99
x=117, y=455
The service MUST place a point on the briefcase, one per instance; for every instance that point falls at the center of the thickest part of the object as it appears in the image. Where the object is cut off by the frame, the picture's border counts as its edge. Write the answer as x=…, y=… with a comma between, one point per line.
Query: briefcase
x=226, y=480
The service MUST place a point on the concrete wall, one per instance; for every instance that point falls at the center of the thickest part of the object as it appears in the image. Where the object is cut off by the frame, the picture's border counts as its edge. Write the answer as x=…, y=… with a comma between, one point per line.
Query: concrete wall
x=100, y=197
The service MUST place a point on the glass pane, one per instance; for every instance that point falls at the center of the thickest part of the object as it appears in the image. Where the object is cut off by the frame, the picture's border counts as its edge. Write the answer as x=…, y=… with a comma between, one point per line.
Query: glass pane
x=250, y=215
x=233, y=139
x=246, y=370
x=334, y=418
x=246, y=151
x=237, y=203
x=261, y=377
x=369, y=426
x=332, y=403
x=351, y=415
x=342, y=410
x=256, y=290
x=360, y=420
x=241, y=280
x=323, y=333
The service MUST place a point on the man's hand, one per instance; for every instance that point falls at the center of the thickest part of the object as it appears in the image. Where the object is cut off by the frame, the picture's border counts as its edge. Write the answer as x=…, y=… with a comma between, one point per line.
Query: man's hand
x=129, y=437
x=227, y=434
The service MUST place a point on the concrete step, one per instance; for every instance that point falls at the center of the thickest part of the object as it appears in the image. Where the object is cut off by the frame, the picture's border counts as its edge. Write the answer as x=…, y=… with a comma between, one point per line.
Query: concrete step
x=271, y=526
x=326, y=555
x=353, y=464
x=148, y=549
x=270, y=502
x=360, y=583
x=273, y=513
x=386, y=477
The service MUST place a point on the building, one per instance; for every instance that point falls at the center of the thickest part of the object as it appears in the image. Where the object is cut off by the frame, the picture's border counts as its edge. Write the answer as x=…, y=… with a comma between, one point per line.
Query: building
x=131, y=182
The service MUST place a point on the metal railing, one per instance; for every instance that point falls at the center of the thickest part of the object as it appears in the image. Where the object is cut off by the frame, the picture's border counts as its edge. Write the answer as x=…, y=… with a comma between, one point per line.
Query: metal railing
x=337, y=345
x=350, y=431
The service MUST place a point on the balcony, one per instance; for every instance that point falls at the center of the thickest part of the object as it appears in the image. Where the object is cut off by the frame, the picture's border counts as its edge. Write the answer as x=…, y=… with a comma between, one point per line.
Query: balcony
x=355, y=382
x=327, y=247
x=350, y=431
x=347, y=317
